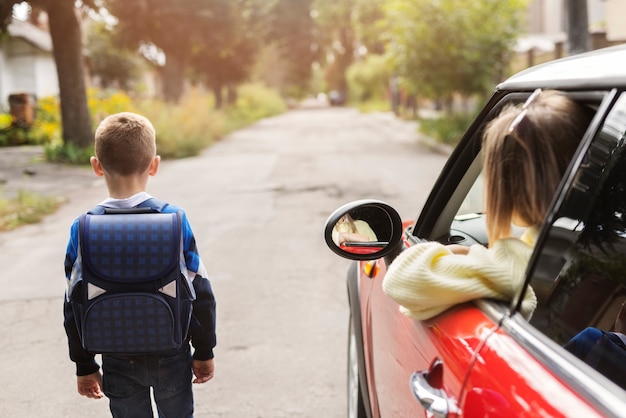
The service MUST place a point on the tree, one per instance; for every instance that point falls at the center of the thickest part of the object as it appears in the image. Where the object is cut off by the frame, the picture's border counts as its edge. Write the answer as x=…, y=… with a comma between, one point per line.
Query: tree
x=292, y=33
x=114, y=67
x=444, y=47
x=334, y=19
x=65, y=32
x=228, y=59
x=177, y=27
x=370, y=25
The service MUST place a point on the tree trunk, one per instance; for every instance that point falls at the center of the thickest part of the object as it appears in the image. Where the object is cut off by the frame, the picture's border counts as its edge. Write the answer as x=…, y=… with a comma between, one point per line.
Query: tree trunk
x=217, y=94
x=174, y=75
x=67, y=49
x=345, y=59
x=231, y=94
x=577, y=26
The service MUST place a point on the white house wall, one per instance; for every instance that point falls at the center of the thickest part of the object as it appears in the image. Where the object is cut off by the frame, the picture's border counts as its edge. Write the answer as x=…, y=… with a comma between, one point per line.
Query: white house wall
x=4, y=75
x=616, y=29
x=25, y=68
x=46, y=76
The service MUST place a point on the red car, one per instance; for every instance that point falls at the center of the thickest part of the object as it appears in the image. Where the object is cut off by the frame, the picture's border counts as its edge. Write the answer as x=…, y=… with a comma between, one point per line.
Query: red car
x=483, y=359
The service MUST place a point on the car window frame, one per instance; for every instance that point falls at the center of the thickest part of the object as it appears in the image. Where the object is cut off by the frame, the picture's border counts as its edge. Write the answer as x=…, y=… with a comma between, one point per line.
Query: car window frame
x=461, y=171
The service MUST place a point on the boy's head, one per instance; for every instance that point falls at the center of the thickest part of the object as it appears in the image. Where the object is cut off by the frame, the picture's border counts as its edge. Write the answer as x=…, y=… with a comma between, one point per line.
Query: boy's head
x=125, y=144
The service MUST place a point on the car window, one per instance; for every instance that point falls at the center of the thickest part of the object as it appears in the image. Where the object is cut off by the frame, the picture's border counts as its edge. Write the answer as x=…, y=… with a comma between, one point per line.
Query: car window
x=580, y=273
x=473, y=202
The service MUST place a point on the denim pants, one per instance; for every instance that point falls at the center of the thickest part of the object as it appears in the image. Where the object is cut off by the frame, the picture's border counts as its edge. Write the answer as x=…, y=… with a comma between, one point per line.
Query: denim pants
x=127, y=381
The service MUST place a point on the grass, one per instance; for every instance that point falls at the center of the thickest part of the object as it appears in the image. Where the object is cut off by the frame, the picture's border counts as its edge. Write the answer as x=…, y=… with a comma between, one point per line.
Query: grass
x=26, y=208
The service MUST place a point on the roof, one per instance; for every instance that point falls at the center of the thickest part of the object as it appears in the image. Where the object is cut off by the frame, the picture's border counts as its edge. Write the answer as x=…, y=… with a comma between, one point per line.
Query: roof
x=31, y=34
x=602, y=68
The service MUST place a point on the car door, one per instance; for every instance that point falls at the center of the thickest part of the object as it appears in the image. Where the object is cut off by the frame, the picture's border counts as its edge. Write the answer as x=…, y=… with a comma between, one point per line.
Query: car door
x=412, y=359
x=440, y=350
x=477, y=358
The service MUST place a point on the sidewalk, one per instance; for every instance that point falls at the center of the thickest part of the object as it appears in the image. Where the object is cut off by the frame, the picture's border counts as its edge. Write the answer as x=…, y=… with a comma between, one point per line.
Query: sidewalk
x=23, y=168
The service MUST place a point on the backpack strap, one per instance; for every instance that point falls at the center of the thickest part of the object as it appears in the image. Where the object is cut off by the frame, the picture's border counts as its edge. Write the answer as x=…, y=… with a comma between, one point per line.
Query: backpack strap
x=155, y=204
x=150, y=205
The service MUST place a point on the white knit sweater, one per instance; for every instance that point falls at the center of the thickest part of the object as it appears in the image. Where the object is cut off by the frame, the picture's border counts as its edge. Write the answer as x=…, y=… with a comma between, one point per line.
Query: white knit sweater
x=428, y=278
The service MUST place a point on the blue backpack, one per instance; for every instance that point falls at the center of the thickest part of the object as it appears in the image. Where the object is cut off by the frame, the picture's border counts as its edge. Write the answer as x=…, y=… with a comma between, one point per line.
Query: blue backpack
x=133, y=297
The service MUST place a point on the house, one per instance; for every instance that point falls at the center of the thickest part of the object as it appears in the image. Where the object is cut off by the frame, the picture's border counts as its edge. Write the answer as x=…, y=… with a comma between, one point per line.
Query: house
x=26, y=63
x=545, y=37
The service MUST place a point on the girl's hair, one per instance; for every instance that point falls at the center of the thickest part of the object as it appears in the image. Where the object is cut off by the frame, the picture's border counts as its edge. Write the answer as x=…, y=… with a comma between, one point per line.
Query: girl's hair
x=125, y=143
x=526, y=152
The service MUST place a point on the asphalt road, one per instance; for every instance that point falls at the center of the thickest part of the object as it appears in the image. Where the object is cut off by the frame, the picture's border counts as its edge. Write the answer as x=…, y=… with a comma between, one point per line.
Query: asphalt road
x=257, y=201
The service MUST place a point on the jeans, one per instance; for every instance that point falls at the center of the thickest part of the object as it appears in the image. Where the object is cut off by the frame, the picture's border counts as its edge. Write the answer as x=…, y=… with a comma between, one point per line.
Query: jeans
x=127, y=381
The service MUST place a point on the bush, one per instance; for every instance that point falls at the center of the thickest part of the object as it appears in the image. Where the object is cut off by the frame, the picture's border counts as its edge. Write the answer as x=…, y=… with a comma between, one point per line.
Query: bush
x=45, y=129
x=368, y=80
x=447, y=129
x=68, y=153
x=254, y=102
x=103, y=103
x=184, y=129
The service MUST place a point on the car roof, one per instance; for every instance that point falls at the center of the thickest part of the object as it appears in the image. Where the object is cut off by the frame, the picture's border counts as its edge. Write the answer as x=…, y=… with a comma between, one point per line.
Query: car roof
x=599, y=69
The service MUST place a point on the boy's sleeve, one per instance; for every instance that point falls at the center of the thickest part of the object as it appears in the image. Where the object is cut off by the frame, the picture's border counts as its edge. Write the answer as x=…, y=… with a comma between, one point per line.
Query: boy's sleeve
x=202, y=328
x=85, y=361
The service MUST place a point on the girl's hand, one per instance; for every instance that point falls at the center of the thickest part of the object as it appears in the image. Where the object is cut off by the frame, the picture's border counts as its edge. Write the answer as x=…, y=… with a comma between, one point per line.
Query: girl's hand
x=458, y=249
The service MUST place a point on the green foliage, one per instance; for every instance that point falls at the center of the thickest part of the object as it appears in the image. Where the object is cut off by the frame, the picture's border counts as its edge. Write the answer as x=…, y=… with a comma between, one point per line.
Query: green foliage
x=48, y=124
x=185, y=29
x=68, y=153
x=254, y=102
x=25, y=208
x=185, y=129
x=370, y=25
x=337, y=37
x=45, y=128
x=103, y=103
x=114, y=66
x=447, y=46
x=447, y=129
x=292, y=34
x=375, y=105
x=368, y=79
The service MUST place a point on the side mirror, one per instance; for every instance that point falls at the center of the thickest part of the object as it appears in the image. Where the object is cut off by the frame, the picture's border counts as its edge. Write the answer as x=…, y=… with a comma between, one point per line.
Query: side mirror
x=363, y=230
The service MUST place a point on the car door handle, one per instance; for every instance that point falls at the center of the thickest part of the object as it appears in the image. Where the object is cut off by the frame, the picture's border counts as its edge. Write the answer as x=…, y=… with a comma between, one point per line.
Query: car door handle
x=425, y=386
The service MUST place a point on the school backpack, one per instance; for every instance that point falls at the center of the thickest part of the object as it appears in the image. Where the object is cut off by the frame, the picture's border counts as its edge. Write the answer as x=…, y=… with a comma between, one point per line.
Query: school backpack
x=133, y=297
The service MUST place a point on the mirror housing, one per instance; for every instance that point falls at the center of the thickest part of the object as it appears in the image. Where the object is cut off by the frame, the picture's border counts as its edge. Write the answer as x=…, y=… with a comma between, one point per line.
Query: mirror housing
x=364, y=230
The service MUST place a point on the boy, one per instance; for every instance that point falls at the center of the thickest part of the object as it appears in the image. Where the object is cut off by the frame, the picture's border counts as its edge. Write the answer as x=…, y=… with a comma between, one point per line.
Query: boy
x=125, y=148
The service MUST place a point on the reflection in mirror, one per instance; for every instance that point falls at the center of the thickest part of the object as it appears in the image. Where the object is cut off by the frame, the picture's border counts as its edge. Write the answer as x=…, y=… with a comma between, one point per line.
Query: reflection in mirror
x=361, y=232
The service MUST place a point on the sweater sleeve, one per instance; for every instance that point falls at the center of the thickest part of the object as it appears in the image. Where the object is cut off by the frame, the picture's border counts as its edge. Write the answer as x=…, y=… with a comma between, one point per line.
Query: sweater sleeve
x=428, y=278
x=202, y=328
x=85, y=361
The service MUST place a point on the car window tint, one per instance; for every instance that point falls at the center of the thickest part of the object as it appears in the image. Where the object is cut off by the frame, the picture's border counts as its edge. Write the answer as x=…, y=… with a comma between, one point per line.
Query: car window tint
x=580, y=273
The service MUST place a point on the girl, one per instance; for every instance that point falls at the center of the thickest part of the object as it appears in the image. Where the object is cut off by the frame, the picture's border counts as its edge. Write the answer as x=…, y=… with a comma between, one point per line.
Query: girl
x=526, y=150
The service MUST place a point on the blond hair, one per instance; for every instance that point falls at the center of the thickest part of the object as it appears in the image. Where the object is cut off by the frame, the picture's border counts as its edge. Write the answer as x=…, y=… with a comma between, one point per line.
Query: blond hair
x=125, y=143
x=525, y=159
